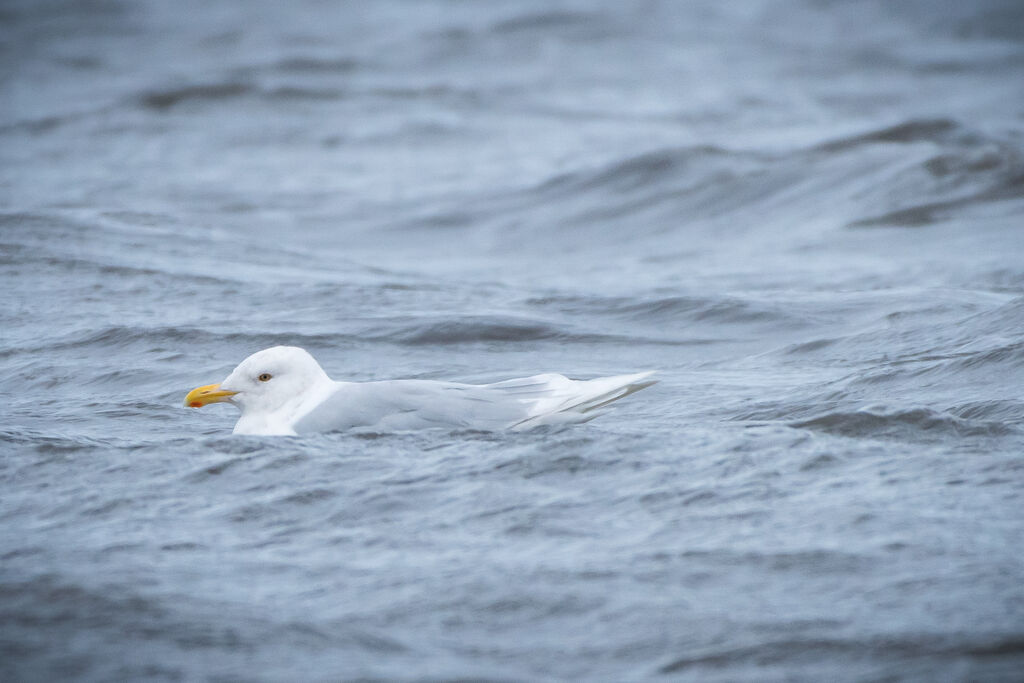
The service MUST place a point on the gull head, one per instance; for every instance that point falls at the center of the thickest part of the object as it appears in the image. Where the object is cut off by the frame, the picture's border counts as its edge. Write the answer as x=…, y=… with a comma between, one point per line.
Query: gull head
x=265, y=382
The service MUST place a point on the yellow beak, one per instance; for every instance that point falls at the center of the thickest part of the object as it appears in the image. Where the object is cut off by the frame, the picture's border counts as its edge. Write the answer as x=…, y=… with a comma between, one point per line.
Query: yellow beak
x=211, y=393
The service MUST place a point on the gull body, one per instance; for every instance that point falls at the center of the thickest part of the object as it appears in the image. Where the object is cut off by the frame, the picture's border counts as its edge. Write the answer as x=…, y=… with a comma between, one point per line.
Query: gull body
x=284, y=391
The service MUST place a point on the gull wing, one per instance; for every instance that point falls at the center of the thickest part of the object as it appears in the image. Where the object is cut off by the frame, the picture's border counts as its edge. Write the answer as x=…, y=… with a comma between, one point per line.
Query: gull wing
x=398, y=405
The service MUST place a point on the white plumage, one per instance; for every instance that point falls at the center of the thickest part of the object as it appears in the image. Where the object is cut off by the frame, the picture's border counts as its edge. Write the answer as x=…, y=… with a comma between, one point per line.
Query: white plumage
x=284, y=391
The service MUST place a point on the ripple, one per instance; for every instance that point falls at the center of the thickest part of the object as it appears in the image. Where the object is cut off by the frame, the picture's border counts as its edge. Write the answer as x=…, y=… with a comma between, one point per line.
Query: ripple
x=162, y=100
x=912, y=423
x=914, y=130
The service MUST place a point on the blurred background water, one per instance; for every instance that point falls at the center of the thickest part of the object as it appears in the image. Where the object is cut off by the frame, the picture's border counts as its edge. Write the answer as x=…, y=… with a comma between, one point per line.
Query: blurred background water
x=807, y=215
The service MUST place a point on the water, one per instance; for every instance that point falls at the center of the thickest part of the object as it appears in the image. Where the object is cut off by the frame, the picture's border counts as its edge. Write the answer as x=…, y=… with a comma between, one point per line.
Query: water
x=806, y=215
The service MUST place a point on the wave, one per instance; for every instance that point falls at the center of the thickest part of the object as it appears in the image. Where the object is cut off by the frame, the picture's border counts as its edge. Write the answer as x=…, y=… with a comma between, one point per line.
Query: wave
x=914, y=423
x=210, y=92
x=484, y=329
x=166, y=99
x=1011, y=186
x=883, y=648
x=120, y=336
x=39, y=125
x=544, y=22
x=1009, y=352
x=1006, y=411
x=55, y=445
x=20, y=255
x=967, y=168
x=644, y=171
x=949, y=341
x=998, y=19
x=306, y=65
x=914, y=173
x=461, y=331
x=230, y=91
x=913, y=130
x=718, y=310
x=293, y=93
x=430, y=332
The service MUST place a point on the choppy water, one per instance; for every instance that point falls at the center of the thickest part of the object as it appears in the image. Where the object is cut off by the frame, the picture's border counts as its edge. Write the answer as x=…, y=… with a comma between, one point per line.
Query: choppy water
x=808, y=216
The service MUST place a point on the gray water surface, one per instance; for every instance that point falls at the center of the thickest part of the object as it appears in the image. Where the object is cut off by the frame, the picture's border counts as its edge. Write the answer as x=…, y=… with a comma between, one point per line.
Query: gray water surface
x=807, y=216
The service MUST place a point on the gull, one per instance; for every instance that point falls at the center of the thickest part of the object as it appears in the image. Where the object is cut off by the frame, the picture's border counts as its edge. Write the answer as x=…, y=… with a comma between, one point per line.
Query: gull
x=283, y=391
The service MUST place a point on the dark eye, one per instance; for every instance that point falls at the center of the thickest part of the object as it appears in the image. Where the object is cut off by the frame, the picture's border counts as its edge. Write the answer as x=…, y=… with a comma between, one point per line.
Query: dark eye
x=265, y=377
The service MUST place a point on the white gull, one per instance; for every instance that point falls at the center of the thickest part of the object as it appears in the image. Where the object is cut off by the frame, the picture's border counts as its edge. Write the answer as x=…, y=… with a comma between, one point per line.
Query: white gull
x=284, y=391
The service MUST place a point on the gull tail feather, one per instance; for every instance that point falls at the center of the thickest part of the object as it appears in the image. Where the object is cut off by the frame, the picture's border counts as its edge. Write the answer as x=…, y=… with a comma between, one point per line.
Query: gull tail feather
x=587, y=399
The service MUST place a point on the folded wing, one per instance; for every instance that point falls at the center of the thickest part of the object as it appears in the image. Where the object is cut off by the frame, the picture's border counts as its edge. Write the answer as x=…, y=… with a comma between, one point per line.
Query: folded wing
x=553, y=399
x=513, y=404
